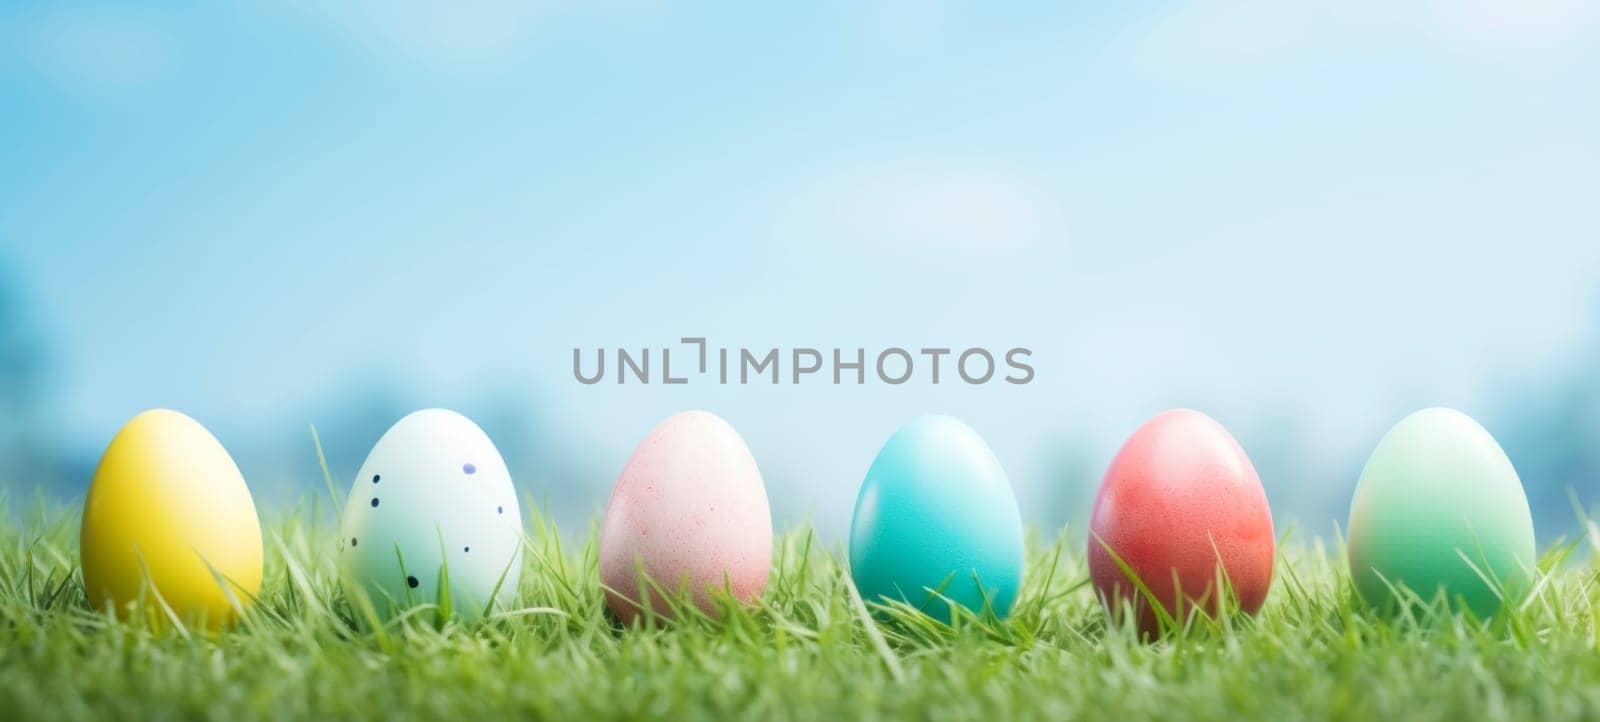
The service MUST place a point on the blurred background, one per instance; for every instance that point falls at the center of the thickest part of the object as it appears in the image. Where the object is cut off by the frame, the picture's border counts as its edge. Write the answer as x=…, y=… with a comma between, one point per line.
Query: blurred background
x=1306, y=219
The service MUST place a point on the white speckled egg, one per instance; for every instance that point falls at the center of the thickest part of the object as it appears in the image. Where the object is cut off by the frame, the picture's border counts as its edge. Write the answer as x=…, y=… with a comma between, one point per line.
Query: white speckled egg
x=434, y=496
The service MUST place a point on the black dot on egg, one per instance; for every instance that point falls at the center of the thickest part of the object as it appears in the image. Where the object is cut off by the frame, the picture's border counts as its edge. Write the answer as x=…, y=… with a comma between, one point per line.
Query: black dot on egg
x=374, y=502
x=352, y=541
x=500, y=510
x=375, y=478
x=412, y=582
x=466, y=549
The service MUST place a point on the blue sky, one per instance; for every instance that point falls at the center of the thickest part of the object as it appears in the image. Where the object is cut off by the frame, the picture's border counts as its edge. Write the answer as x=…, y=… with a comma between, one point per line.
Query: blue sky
x=1311, y=214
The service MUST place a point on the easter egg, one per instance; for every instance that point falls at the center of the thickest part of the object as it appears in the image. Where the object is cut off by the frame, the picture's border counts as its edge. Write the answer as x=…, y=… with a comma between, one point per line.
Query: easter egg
x=689, y=513
x=168, y=515
x=1179, y=504
x=936, y=517
x=1438, y=507
x=432, y=519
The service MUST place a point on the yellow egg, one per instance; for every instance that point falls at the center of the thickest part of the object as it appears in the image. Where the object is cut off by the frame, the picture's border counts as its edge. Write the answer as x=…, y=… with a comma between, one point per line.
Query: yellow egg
x=168, y=505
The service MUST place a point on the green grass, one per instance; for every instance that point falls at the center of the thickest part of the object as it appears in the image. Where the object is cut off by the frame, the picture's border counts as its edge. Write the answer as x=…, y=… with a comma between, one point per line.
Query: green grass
x=810, y=650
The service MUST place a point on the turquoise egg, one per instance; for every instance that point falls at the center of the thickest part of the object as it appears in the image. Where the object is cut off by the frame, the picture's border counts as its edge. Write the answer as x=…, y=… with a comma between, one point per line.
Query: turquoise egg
x=936, y=512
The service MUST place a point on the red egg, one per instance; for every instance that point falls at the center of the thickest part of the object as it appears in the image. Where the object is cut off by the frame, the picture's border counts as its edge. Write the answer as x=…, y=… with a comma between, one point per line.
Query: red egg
x=1179, y=499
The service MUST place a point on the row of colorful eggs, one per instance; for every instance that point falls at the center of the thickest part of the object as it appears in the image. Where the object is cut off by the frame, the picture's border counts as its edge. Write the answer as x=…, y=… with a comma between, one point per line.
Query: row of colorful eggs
x=169, y=525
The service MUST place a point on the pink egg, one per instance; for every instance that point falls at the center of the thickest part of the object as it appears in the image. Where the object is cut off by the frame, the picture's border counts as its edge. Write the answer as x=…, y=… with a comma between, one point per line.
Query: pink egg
x=689, y=510
x=1180, y=505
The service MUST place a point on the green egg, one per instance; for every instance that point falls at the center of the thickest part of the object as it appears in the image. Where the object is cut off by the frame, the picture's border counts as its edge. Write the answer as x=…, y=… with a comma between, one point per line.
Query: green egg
x=1439, y=507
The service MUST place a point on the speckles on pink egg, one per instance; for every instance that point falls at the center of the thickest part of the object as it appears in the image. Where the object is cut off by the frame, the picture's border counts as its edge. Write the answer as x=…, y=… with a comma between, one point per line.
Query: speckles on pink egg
x=690, y=510
x=1180, y=504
